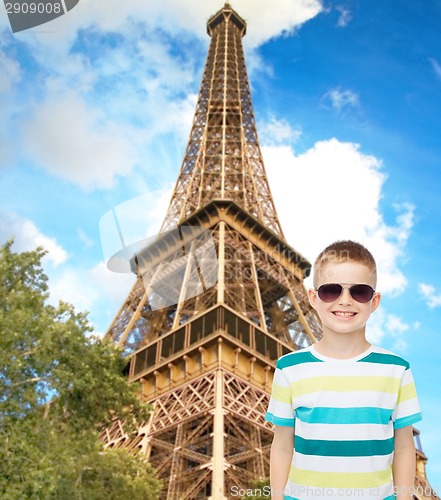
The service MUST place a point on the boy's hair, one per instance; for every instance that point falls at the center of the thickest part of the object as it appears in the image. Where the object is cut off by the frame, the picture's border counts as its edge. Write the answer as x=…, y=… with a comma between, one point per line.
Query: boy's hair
x=344, y=251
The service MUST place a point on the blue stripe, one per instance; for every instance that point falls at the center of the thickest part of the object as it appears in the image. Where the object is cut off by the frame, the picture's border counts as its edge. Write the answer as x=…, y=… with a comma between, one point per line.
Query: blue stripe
x=296, y=358
x=356, y=415
x=385, y=359
x=409, y=420
x=355, y=448
x=286, y=422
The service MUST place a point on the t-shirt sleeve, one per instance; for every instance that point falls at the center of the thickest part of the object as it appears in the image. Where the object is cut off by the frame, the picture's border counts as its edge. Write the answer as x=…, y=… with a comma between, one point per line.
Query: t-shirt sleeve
x=407, y=410
x=280, y=410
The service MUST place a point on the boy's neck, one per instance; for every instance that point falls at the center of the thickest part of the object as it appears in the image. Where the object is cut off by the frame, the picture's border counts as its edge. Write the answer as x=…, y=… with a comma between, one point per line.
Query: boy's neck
x=342, y=346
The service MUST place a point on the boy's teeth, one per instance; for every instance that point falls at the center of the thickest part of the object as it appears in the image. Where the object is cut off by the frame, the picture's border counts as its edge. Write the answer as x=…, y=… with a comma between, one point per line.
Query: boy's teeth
x=344, y=314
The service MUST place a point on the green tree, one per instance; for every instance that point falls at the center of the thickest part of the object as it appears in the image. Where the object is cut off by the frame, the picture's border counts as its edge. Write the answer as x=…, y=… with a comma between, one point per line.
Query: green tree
x=59, y=385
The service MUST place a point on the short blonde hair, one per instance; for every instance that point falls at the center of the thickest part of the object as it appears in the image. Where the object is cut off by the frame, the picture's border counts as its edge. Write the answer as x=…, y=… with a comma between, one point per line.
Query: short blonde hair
x=344, y=251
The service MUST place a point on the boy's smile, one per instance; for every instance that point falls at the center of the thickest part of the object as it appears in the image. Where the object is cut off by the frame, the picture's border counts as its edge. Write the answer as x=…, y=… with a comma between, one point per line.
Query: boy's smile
x=344, y=314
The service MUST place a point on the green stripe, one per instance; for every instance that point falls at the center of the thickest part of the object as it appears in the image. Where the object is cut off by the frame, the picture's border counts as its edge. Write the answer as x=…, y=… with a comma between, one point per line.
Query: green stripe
x=367, y=448
x=361, y=415
x=296, y=358
x=385, y=359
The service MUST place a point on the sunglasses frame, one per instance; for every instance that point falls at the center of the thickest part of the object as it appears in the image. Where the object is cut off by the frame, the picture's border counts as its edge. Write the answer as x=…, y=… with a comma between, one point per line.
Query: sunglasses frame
x=342, y=288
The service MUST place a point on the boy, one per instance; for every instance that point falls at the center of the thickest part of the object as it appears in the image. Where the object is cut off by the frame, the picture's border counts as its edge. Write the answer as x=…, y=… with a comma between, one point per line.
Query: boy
x=346, y=405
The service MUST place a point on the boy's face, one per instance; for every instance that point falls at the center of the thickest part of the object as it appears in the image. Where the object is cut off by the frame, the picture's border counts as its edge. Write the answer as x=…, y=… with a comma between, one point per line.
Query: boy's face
x=344, y=315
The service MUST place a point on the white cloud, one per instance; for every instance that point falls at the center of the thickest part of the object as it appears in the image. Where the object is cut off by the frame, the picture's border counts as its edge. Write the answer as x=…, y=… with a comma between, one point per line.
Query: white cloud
x=331, y=192
x=396, y=329
x=10, y=77
x=72, y=140
x=28, y=237
x=82, y=236
x=383, y=325
x=74, y=73
x=73, y=286
x=6, y=145
x=265, y=19
x=88, y=135
x=115, y=285
x=396, y=325
x=268, y=20
x=345, y=16
x=341, y=100
x=430, y=294
x=97, y=290
x=375, y=330
x=277, y=131
x=95, y=112
x=164, y=70
x=171, y=116
x=436, y=66
x=10, y=73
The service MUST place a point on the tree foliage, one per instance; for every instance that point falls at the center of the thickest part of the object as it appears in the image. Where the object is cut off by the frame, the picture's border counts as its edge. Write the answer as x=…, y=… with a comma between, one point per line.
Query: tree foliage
x=59, y=385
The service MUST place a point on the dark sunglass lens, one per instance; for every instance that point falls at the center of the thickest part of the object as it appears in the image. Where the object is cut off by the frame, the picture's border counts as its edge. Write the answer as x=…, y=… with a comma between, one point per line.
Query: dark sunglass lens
x=329, y=292
x=362, y=293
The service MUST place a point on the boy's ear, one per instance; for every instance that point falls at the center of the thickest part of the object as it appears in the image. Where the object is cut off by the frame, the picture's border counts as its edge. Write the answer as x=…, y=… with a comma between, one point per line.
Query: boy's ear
x=376, y=299
x=312, y=297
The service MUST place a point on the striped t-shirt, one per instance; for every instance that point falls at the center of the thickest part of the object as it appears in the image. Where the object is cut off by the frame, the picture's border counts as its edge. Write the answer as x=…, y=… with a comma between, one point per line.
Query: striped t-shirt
x=344, y=412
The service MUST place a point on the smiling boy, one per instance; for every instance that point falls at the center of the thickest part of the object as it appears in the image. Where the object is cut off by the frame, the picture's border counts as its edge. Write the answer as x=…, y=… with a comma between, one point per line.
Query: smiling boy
x=343, y=409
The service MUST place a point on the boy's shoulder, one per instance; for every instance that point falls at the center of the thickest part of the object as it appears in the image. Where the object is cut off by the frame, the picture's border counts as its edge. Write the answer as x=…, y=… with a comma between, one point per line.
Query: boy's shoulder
x=296, y=358
x=383, y=356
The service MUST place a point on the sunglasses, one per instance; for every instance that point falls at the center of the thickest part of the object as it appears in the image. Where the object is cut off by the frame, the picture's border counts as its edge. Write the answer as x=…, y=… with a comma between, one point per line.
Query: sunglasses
x=332, y=291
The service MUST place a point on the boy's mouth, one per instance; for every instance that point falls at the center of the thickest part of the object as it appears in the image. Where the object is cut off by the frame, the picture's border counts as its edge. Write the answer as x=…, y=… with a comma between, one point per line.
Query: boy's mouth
x=344, y=314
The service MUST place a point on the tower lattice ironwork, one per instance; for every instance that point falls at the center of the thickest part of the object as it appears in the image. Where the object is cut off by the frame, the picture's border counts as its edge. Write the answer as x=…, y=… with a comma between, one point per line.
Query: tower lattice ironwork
x=219, y=297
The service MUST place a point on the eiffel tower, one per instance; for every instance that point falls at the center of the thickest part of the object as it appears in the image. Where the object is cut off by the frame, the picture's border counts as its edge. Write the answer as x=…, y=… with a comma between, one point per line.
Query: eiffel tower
x=219, y=297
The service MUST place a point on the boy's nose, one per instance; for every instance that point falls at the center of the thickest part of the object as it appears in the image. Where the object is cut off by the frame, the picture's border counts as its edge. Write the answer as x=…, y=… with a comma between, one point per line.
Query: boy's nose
x=345, y=297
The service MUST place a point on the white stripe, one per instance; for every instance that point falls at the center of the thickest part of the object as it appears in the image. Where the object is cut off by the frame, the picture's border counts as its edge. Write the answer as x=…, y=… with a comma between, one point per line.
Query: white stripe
x=281, y=410
x=280, y=378
x=347, y=399
x=406, y=409
x=341, y=464
x=343, y=432
x=407, y=377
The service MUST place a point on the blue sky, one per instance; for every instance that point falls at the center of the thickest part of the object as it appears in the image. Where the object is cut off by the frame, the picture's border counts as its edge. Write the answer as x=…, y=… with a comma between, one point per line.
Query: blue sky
x=96, y=108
